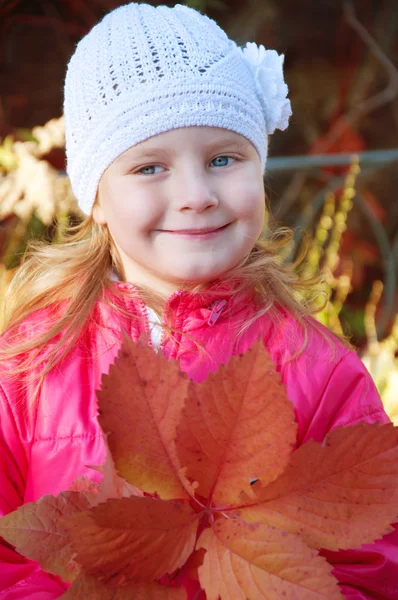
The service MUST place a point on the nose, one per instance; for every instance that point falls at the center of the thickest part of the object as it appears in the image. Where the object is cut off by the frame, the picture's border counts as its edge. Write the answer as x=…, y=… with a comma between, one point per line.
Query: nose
x=195, y=191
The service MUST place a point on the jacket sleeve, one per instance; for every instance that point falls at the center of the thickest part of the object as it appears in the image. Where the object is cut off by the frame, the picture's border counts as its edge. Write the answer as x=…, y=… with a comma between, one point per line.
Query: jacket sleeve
x=372, y=571
x=20, y=579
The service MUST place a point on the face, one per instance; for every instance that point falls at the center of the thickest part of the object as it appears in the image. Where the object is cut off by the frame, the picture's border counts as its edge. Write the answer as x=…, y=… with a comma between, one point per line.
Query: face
x=183, y=207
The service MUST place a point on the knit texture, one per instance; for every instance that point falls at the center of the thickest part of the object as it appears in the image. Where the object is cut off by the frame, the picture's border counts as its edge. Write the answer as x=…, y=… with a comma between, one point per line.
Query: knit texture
x=144, y=70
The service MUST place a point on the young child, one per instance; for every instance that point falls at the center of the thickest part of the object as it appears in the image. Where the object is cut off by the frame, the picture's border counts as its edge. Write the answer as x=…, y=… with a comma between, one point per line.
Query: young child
x=167, y=124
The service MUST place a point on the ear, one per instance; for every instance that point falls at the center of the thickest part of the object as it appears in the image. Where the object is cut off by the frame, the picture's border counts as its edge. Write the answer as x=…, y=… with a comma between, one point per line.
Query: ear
x=98, y=213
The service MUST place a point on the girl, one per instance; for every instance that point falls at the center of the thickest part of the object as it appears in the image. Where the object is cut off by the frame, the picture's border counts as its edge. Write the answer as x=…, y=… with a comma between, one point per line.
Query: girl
x=167, y=123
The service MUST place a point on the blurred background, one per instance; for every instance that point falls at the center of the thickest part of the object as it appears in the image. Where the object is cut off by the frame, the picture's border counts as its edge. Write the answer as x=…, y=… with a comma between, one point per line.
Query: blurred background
x=332, y=176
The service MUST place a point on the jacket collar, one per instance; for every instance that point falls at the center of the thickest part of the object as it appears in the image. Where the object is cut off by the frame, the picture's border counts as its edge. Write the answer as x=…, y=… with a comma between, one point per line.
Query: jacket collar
x=185, y=310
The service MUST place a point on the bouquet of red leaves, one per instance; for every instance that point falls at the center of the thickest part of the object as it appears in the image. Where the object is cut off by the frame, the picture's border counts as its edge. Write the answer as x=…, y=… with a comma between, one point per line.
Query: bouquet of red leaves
x=202, y=481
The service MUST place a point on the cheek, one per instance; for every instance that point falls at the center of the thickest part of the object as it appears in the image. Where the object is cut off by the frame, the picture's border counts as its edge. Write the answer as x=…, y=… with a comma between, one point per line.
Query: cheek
x=249, y=203
x=128, y=210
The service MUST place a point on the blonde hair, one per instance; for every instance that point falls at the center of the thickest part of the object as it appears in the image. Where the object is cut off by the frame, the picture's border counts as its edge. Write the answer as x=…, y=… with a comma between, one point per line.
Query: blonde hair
x=74, y=273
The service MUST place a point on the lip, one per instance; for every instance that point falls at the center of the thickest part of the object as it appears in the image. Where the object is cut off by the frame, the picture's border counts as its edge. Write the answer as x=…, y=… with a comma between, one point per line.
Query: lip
x=203, y=233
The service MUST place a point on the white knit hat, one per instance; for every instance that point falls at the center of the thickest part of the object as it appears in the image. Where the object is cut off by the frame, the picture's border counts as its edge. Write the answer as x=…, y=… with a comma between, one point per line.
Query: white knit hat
x=144, y=70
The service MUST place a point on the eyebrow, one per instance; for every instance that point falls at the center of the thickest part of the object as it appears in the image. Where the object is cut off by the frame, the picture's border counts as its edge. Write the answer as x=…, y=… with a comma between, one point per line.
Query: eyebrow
x=211, y=147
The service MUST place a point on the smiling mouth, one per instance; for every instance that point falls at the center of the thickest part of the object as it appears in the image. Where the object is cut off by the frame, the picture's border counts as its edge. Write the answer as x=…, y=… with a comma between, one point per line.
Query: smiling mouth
x=196, y=232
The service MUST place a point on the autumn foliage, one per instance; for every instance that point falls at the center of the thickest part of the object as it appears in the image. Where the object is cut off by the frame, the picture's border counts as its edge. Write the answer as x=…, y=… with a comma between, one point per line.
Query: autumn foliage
x=203, y=482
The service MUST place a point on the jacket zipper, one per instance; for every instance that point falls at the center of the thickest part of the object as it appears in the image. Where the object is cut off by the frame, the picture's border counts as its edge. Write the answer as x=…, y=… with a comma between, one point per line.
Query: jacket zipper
x=218, y=308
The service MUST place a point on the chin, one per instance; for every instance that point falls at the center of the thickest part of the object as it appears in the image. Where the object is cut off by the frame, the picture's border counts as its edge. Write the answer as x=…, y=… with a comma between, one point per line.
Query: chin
x=198, y=279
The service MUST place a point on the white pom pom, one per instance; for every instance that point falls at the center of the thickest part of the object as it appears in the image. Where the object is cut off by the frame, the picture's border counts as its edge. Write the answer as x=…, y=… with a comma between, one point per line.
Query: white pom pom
x=267, y=69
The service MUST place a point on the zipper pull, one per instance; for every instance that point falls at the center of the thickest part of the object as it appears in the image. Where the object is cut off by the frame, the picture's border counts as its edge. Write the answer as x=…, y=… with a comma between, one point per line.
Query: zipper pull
x=218, y=307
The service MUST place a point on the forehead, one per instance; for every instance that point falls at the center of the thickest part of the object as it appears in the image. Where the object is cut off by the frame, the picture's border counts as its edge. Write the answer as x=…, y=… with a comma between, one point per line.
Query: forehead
x=177, y=140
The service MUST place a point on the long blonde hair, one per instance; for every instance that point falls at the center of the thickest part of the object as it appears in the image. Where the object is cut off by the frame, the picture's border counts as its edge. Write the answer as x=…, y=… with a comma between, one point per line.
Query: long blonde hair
x=73, y=274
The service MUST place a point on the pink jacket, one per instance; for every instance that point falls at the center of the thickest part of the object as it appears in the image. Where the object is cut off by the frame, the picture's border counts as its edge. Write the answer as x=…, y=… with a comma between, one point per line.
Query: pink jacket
x=43, y=449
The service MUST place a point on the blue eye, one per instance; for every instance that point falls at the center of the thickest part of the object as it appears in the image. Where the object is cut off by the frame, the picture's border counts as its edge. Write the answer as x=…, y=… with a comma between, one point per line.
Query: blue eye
x=220, y=161
x=144, y=170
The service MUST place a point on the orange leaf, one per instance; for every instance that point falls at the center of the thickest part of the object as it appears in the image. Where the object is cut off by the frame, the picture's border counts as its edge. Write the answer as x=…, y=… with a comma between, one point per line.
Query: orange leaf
x=139, y=405
x=35, y=529
x=235, y=426
x=257, y=561
x=112, y=485
x=86, y=587
x=86, y=486
x=133, y=538
x=340, y=494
